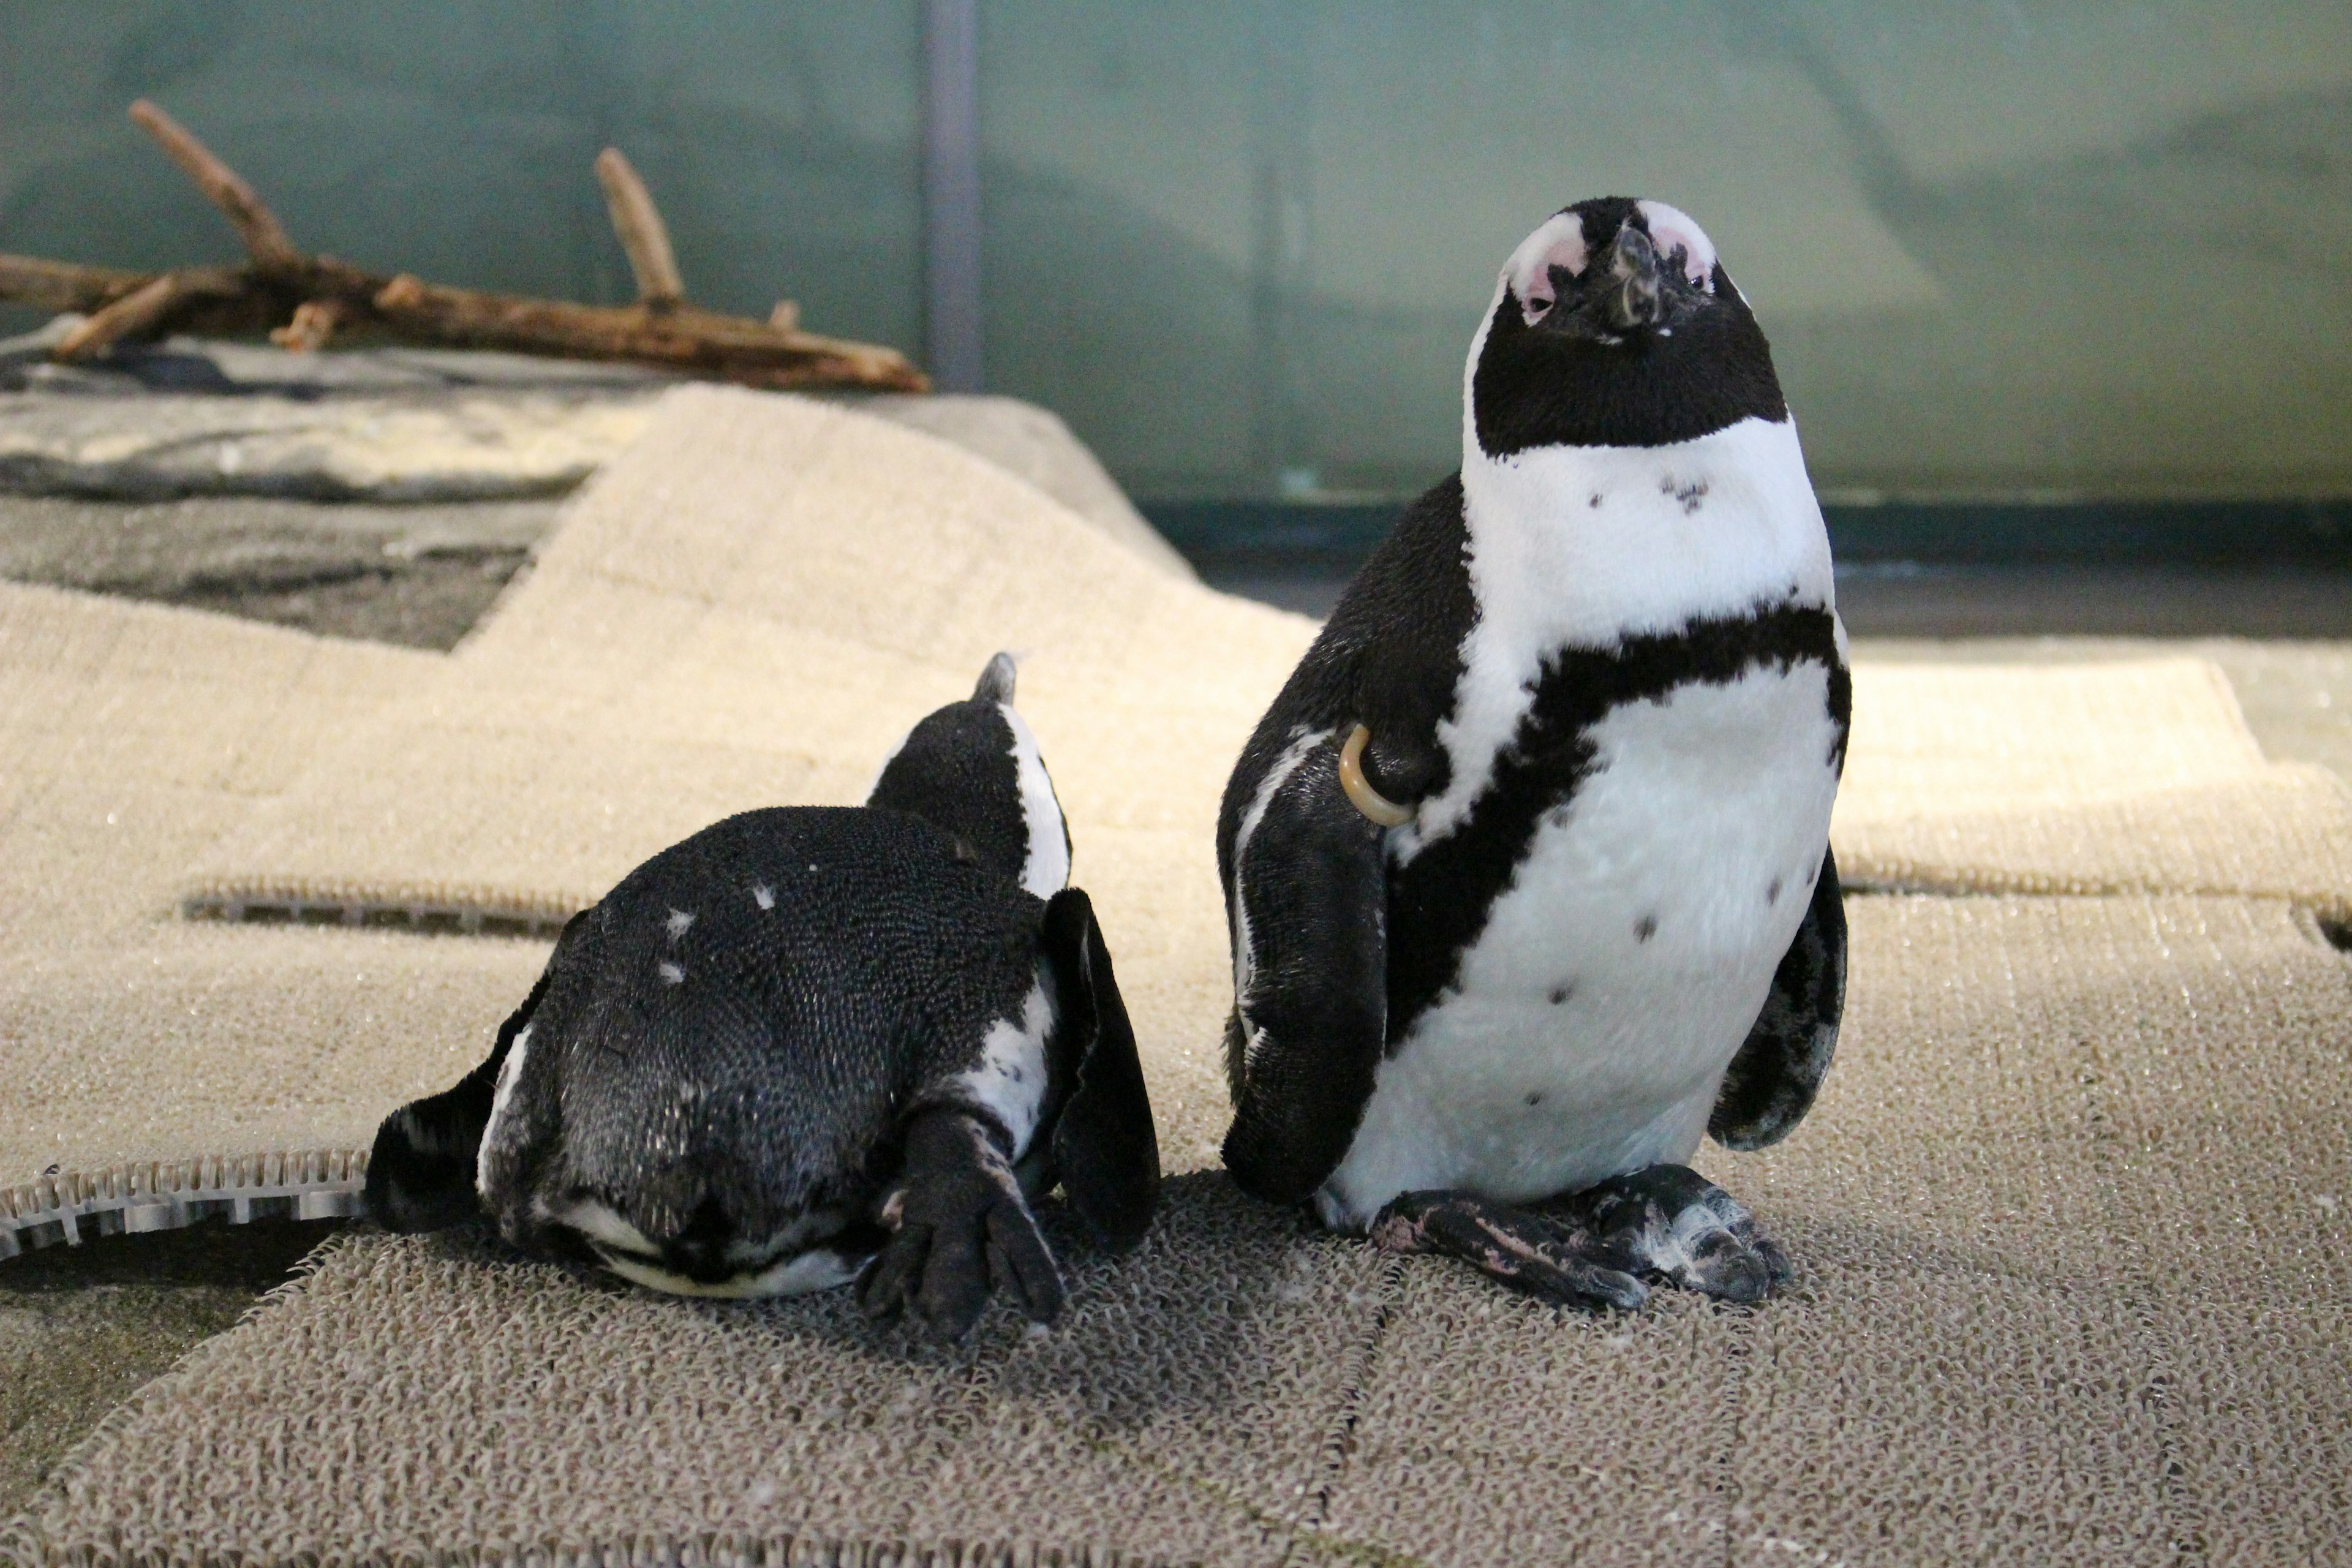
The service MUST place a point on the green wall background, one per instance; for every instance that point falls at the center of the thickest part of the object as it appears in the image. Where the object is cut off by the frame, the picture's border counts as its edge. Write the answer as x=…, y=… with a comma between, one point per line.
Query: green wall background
x=2002, y=246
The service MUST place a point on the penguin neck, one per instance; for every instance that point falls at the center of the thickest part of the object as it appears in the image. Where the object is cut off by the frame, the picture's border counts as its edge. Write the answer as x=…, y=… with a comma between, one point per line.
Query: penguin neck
x=1583, y=546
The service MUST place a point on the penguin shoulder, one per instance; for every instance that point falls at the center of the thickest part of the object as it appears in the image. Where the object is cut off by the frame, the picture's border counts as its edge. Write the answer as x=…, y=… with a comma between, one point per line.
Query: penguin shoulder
x=1388, y=659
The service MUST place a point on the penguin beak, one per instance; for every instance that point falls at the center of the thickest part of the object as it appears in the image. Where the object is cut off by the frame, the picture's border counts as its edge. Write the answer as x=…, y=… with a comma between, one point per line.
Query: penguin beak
x=1630, y=295
x=1628, y=287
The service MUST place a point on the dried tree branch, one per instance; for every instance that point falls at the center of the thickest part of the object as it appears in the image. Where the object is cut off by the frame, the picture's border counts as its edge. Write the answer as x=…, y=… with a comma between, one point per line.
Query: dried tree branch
x=141, y=311
x=64, y=286
x=696, y=342
x=266, y=239
x=136, y=312
x=642, y=233
x=231, y=302
x=310, y=298
x=314, y=322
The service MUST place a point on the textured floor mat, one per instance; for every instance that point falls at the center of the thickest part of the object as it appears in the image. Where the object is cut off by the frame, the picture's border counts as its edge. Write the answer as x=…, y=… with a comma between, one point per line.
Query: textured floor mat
x=157, y=1070
x=749, y=604
x=2071, y=1221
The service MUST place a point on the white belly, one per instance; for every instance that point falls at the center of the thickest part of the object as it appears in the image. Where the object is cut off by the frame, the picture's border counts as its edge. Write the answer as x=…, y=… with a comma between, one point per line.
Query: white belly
x=1624, y=966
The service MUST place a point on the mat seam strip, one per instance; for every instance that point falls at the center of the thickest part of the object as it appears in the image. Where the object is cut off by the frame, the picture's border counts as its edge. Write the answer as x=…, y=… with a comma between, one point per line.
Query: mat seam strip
x=2181, y=1514
x=1306, y=1533
x=68, y=1207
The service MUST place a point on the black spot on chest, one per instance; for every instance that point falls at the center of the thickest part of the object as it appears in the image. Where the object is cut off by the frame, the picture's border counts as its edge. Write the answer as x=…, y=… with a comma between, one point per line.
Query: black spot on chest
x=1439, y=903
x=1688, y=494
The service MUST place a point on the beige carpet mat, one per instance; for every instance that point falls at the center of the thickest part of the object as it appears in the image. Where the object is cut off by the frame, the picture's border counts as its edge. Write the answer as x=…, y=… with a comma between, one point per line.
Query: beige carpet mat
x=154, y=1070
x=749, y=607
x=1033, y=443
x=2072, y=1217
x=162, y=1071
x=752, y=608
x=751, y=603
x=2132, y=777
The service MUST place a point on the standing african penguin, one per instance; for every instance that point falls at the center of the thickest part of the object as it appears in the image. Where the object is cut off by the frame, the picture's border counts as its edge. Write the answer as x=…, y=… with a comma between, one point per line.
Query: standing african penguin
x=1527, y=869
x=809, y=1042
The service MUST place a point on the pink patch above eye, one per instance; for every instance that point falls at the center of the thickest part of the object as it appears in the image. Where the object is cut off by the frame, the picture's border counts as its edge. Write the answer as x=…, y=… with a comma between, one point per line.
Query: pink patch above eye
x=1559, y=243
x=1671, y=229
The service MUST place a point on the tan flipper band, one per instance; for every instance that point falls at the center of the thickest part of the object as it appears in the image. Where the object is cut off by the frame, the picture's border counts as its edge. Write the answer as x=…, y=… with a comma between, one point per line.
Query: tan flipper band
x=1368, y=800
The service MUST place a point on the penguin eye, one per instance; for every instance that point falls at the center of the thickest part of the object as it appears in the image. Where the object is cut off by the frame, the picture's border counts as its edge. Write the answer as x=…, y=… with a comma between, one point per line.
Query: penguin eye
x=1678, y=235
x=1678, y=260
x=1545, y=291
x=1546, y=265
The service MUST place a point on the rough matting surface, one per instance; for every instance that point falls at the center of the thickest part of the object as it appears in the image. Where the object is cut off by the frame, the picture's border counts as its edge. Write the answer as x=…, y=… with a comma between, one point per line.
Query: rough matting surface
x=750, y=609
x=747, y=608
x=163, y=1069
x=158, y=1068
x=2072, y=1211
x=752, y=602
x=2072, y=1220
x=2136, y=775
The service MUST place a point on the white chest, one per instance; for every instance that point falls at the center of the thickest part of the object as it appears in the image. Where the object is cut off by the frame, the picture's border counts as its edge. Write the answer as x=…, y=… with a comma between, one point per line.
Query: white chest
x=1581, y=547
x=1625, y=961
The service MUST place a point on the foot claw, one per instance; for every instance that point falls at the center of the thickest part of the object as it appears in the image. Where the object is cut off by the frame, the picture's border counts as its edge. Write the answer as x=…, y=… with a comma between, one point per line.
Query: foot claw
x=1514, y=1247
x=1720, y=1266
x=1668, y=1222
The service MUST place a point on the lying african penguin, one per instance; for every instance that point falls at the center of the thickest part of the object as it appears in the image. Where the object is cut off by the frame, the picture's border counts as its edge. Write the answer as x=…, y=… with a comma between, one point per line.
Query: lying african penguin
x=1527, y=870
x=809, y=1042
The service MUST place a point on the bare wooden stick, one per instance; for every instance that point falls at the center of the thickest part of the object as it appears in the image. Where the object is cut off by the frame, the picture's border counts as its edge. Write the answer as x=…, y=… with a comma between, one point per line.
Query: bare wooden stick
x=698, y=342
x=643, y=235
x=265, y=239
x=64, y=286
x=314, y=323
x=135, y=311
x=141, y=311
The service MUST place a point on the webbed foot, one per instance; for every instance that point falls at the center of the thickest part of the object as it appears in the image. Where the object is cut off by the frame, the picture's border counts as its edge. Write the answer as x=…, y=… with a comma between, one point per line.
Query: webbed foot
x=1670, y=1223
x=1523, y=1249
x=959, y=1228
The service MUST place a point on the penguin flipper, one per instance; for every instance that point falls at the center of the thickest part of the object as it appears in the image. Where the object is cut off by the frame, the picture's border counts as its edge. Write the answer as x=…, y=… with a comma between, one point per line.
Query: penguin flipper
x=1104, y=1145
x=1310, y=898
x=1772, y=1080
x=420, y=1173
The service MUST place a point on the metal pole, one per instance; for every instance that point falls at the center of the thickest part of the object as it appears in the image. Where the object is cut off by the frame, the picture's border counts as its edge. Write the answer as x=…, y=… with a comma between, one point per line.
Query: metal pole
x=952, y=191
x=1282, y=432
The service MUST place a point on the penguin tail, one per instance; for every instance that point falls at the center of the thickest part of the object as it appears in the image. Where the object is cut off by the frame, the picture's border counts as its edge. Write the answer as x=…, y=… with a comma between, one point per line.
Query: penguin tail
x=997, y=681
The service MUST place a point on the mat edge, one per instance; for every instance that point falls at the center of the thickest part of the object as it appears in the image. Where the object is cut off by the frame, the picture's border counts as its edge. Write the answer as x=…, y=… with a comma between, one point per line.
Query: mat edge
x=23, y=1545
x=69, y=1207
